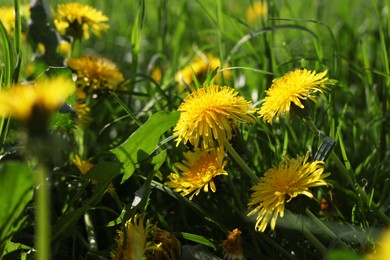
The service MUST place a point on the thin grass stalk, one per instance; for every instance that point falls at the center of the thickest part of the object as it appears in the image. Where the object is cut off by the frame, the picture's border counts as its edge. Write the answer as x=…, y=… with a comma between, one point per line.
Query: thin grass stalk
x=248, y=171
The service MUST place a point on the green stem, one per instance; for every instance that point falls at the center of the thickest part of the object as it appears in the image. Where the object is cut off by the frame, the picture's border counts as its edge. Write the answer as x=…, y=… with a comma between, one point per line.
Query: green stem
x=314, y=241
x=320, y=225
x=248, y=171
x=42, y=215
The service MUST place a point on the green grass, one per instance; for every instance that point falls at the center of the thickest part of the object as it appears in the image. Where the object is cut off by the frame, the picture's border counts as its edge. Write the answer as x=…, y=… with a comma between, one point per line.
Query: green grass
x=130, y=139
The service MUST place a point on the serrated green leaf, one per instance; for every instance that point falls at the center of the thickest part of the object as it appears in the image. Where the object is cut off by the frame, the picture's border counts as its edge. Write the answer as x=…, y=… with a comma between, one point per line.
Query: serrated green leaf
x=16, y=191
x=143, y=141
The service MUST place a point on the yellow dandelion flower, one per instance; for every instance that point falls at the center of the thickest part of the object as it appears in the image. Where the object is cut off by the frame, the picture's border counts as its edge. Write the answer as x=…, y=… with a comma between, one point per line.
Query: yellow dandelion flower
x=280, y=185
x=210, y=114
x=7, y=17
x=200, y=66
x=232, y=246
x=75, y=19
x=83, y=165
x=169, y=245
x=21, y=101
x=292, y=88
x=256, y=11
x=95, y=73
x=134, y=242
x=382, y=251
x=198, y=172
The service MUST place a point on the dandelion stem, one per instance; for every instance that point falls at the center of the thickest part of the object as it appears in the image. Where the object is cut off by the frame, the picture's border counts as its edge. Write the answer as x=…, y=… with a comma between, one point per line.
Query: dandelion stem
x=319, y=224
x=248, y=171
x=42, y=215
x=314, y=241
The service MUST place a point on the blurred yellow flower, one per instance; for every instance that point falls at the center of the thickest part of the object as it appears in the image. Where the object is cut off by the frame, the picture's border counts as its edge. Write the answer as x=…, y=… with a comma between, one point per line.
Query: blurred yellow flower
x=198, y=171
x=21, y=101
x=7, y=17
x=256, y=11
x=95, y=73
x=75, y=20
x=134, y=242
x=281, y=184
x=290, y=89
x=232, y=246
x=200, y=66
x=210, y=114
x=83, y=165
x=382, y=251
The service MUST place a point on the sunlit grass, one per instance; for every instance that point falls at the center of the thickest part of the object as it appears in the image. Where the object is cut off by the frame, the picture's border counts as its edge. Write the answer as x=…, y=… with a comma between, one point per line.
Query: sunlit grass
x=129, y=142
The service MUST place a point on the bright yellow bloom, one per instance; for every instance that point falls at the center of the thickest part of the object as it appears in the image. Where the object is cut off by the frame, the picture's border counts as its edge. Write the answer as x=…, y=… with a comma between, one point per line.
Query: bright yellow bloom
x=382, y=251
x=7, y=17
x=75, y=19
x=134, y=243
x=21, y=101
x=256, y=11
x=290, y=89
x=200, y=66
x=198, y=172
x=233, y=246
x=210, y=114
x=95, y=73
x=83, y=165
x=280, y=185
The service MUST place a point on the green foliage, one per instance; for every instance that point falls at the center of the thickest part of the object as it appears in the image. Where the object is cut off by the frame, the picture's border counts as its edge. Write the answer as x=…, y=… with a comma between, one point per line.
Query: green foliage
x=125, y=145
x=16, y=191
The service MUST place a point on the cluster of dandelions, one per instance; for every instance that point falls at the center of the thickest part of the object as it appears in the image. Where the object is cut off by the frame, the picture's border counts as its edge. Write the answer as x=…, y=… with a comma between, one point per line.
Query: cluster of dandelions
x=208, y=120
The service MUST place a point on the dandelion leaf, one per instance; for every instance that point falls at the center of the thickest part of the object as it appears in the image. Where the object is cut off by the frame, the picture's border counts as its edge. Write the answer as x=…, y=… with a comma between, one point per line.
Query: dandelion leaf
x=143, y=142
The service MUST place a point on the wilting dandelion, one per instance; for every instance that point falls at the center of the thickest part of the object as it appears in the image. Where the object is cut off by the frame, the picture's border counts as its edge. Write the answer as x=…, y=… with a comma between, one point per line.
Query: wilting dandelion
x=75, y=20
x=198, y=171
x=281, y=184
x=232, y=246
x=199, y=67
x=134, y=242
x=95, y=73
x=210, y=114
x=169, y=246
x=291, y=89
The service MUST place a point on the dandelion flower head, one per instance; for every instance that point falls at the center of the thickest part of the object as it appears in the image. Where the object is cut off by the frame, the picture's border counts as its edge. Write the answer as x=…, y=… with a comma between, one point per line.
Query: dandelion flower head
x=198, y=171
x=169, y=246
x=199, y=67
x=280, y=185
x=292, y=88
x=75, y=20
x=232, y=246
x=44, y=96
x=95, y=73
x=134, y=242
x=210, y=114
